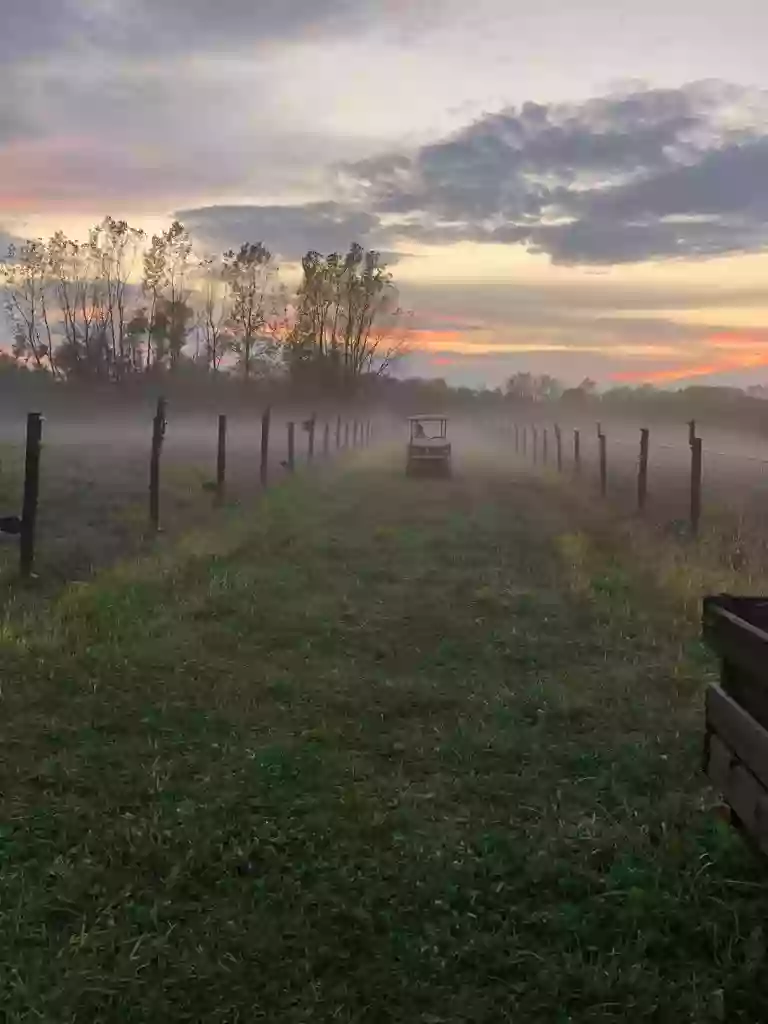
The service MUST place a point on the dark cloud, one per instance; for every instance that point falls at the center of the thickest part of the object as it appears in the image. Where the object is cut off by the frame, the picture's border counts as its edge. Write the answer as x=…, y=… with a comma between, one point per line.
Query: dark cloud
x=288, y=231
x=189, y=24
x=728, y=181
x=601, y=240
x=146, y=27
x=33, y=27
x=653, y=174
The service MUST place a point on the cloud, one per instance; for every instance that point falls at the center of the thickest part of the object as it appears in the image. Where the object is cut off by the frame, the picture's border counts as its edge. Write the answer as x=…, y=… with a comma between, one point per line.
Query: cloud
x=159, y=104
x=650, y=174
x=145, y=27
x=35, y=27
x=690, y=371
x=288, y=231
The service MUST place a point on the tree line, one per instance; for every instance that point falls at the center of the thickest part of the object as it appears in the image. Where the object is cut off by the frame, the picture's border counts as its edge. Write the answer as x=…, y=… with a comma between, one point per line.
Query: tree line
x=119, y=306
x=742, y=408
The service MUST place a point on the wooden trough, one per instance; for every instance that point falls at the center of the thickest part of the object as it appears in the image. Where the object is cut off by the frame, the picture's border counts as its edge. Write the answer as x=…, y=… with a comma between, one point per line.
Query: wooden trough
x=736, y=744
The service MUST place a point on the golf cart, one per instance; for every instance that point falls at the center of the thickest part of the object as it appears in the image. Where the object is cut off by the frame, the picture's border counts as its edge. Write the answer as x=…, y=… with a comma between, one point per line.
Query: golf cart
x=429, y=451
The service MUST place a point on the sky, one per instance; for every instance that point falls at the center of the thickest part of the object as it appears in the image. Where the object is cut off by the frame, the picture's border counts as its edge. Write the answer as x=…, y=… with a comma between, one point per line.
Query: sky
x=573, y=188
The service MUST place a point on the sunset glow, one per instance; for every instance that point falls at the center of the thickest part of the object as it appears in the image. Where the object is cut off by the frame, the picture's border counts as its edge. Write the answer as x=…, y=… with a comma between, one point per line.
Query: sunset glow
x=527, y=213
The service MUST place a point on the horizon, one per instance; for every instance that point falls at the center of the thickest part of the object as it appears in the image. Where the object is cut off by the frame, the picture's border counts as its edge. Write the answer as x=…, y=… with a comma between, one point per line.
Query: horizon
x=609, y=222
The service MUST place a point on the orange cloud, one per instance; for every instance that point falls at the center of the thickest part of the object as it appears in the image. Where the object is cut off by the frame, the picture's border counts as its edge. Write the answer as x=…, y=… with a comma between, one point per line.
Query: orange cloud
x=745, y=362
x=436, y=337
x=747, y=339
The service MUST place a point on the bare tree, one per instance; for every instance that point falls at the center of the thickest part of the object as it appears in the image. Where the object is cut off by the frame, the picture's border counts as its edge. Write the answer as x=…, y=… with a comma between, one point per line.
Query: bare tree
x=117, y=246
x=214, y=312
x=26, y=280
x=81, y=296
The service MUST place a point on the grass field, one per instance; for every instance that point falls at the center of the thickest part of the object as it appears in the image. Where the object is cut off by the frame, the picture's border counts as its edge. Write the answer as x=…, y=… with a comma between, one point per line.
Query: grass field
x=386, y=751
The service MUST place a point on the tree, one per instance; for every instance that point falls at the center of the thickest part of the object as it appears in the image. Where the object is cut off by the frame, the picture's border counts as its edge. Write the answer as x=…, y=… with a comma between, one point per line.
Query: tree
x=26, y=280
x=168, y=266
x=527, y=387
x=348, y=323
x=214, y=313
x=117, y=246
x=250, y=275
x=549, y=389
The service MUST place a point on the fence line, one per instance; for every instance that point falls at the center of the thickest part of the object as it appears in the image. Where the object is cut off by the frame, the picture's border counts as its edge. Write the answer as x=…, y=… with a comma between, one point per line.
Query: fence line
x=24, y=526
x=698, y=454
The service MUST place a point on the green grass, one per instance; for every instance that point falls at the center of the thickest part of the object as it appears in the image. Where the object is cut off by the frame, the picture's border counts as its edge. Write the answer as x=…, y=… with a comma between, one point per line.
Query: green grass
x=382, y=750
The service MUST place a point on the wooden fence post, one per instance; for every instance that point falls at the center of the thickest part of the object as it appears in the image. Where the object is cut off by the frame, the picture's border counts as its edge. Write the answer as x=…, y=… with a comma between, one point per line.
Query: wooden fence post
x=577, y=452
x=346, y=433
x=338, y=432
x=291, y=462
x=691, y=432
x=517, y=439
x=221, y=459
x=535, y=445
x=603, y=463
x=642, y=470
x=559, y=446
x=326, y=439
x=158, y=435
x=545, y=446
x=525, y=440
x=264, y=466
x=696, y=475
x=31, y=494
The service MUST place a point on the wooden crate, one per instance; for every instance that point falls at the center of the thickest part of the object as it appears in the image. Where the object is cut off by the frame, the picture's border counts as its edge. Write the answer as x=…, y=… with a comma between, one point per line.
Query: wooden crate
x=736, y=744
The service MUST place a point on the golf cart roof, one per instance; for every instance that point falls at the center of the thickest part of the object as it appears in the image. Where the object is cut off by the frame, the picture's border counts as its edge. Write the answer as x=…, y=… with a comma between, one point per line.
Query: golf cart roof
x=433, y=417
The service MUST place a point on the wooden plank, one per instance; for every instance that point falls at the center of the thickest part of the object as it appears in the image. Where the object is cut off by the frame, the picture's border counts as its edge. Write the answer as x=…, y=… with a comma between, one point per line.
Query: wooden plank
x=751, y=609
x=743, y=793
x=720, y=761
x=738, y=730
x=748, y=692
x=737, y=640
x=750, y=802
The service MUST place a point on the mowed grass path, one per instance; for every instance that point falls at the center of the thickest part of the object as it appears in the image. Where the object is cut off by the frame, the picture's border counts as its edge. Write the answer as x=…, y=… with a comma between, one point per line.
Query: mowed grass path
x=382, y=751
